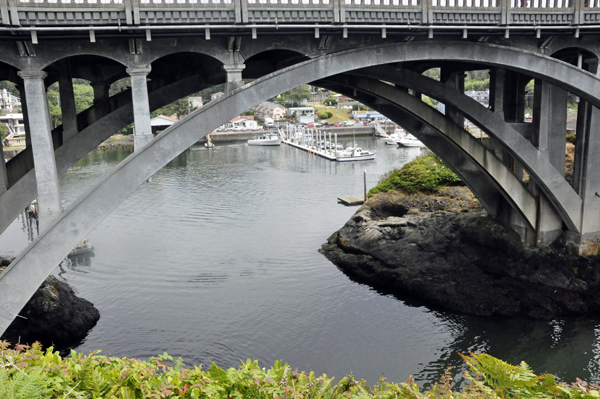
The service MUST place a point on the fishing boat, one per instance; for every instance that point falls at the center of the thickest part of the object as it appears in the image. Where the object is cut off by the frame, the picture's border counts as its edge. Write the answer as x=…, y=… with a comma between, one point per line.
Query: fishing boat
x=354, y=154
x=83, y=247
x=266, y=139
x=410, y=141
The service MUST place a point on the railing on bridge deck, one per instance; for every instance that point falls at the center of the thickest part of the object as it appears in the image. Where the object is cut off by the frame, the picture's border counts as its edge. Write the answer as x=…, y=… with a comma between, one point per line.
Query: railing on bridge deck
x=510, y=13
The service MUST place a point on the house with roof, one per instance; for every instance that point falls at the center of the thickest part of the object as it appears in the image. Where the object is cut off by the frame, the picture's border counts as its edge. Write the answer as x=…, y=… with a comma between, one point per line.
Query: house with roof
x=269, y=110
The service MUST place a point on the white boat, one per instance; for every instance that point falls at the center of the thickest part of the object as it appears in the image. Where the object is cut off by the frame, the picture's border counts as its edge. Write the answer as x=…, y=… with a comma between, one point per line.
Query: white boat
x=393, y=138
x=266, y=139
x=354, y=154
x=83, y=247
x=410, y=141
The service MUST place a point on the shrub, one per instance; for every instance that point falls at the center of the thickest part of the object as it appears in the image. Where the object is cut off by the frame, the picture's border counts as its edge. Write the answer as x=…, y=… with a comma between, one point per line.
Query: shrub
x=571, y=138
x=424, y=174
x=325, y=115
x=30, y=372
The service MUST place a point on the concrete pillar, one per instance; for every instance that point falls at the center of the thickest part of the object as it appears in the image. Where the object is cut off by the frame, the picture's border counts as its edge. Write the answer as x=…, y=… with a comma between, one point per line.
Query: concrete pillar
x=586, y=181
x=514, y=97
x=49, y=205
x=67, y=103
x=497, y=77
x=549, y=137
x=101, y=91
x=141, y=106
x=234, y=77
x=456, y=80
x=3, y=175
x=550, y=123
x=21, y=88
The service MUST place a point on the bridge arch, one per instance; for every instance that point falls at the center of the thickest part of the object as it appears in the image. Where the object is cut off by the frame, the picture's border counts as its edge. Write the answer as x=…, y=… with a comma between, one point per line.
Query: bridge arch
x=33, y=265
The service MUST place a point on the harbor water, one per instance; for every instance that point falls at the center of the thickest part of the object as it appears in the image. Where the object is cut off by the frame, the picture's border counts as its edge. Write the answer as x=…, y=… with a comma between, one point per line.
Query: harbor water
x=216, y=259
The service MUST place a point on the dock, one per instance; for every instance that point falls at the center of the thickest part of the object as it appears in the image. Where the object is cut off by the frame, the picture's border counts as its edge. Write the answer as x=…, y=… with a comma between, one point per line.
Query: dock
x=327, y=154
x=352, y=200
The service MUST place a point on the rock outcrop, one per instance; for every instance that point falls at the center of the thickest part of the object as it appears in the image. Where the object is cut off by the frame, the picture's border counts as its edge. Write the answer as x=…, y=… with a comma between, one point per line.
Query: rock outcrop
x=54, y=315
x=447, y=252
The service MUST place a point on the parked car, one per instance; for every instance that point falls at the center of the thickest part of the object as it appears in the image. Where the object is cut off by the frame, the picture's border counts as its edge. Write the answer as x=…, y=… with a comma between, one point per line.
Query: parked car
x=339, y=125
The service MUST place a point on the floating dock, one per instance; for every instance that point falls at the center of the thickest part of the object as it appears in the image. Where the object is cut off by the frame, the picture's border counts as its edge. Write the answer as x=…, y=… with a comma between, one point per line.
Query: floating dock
x=327, y=154
x=352, y=200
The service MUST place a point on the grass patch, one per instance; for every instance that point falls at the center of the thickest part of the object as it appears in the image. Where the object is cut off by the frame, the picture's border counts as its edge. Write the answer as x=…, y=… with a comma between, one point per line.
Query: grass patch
x=424, y=174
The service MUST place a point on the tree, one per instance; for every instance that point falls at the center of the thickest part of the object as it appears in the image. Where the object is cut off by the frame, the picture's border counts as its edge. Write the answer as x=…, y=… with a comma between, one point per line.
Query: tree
x=331, y=100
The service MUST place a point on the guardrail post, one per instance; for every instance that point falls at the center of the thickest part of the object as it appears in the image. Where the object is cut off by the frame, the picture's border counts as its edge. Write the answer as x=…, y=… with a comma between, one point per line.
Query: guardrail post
x=237, y=8
x=342, y=11
x=425, y=12
x=579, y=7
x=244, y=10
x=128, y=12
x=14, y=13
x=4, y=12
x=336, y=11
x=505, y=16
x=136, y=11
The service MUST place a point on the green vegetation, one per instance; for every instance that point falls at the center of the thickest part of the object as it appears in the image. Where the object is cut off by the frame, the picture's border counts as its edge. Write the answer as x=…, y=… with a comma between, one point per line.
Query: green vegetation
x=424, y=174
x=31, y=372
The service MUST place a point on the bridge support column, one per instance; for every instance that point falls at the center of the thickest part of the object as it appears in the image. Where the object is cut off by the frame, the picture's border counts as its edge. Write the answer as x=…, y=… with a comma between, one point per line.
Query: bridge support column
x=43, y=150
x=456, y=80
x=67, y=103
x=586, y=181
x=141, y=106
x=234, y=77
x=549, y=131
x=21, y=88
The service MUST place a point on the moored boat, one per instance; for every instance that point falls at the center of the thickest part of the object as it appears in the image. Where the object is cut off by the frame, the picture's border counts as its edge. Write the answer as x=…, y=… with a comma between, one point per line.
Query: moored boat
x=410, y=141
x=354, y=154
x=83, y=247
x=266, y=139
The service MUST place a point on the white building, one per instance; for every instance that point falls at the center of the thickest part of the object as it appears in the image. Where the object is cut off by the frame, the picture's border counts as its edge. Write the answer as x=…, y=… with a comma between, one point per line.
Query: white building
x=195, y=102
x=216, y=95
x=8, y=102
x=14, y=124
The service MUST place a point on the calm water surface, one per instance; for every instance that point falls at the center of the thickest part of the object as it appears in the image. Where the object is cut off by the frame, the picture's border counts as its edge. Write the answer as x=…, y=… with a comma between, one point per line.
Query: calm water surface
x=216, y=259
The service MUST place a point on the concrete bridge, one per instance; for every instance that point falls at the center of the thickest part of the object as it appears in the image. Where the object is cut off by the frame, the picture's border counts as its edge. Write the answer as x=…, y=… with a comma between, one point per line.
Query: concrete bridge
x=373, y=50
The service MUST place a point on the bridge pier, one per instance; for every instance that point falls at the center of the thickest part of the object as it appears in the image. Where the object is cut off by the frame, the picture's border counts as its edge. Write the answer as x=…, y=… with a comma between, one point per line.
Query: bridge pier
x=67, y=102
x=49, y=204
x=549, y=132
x=234, y=77
x=586, y=181
x=141, y=106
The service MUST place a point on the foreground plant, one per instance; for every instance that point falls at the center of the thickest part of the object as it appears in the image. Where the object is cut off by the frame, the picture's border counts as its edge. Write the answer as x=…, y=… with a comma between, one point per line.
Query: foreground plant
x=31, y=372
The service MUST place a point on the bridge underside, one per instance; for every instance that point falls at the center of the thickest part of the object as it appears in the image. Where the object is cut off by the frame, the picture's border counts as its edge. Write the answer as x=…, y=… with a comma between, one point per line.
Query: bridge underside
x=516, y=169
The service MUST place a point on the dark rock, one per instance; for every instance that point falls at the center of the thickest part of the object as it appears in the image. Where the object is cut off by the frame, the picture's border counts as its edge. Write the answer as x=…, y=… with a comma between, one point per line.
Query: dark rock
x=54, y=315
x=449, y=254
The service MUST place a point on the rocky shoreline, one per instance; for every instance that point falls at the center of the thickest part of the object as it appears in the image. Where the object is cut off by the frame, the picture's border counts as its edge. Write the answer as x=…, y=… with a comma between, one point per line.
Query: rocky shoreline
x=53, y=316
x=445, y=251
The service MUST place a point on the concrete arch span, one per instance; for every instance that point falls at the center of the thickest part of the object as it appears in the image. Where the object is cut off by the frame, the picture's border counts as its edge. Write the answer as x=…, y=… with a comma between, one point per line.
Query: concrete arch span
x=479, y=168
x=562, y=196
x=38, y=260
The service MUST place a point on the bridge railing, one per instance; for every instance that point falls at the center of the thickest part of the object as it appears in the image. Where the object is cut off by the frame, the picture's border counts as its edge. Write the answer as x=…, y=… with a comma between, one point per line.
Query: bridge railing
x=379, y=12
